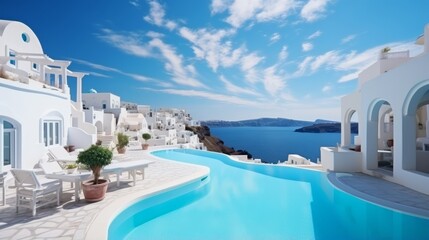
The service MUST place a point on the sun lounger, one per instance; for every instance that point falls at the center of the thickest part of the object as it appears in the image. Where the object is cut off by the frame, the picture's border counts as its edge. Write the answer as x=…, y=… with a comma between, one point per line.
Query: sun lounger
x=131, y=166
x=58, y=153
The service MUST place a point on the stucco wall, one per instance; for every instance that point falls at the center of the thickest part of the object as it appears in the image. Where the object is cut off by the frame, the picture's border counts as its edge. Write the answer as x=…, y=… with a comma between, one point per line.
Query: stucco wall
x=28, y=106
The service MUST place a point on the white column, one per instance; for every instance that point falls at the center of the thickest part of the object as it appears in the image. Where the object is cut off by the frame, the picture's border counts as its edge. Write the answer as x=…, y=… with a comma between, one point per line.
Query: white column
x=79, y=91
x=427, y=120
x=64, y=76
x=42, y=73
x=57, y=81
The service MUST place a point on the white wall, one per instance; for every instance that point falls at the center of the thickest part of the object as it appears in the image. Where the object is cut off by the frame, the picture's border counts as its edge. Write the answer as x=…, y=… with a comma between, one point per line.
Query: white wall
x=29, y=106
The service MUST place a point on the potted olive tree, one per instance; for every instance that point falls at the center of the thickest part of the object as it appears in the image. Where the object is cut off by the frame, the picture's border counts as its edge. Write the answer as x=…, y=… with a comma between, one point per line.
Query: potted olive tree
x=122, y=142
x=95, y=158
x=145, y=136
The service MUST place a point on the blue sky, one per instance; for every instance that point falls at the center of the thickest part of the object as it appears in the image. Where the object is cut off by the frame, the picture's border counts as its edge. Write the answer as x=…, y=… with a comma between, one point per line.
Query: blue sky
x=224, y=59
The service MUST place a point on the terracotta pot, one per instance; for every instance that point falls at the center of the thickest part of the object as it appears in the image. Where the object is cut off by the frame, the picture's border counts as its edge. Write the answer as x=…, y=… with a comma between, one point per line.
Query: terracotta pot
x=122, y=150
x=94, y=193
x=145, y=146
x=389, y=143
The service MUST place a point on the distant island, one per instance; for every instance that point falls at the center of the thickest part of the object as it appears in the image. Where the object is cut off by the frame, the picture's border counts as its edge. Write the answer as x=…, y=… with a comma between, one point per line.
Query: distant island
x=333, y=127
x=260, y=122
x=317, y=126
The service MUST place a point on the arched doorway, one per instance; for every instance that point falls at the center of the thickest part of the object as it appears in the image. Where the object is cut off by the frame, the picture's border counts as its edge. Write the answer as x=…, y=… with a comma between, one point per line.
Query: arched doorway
x=380, y=142
x=351, y=131
x=9, y=130
x=416, y=121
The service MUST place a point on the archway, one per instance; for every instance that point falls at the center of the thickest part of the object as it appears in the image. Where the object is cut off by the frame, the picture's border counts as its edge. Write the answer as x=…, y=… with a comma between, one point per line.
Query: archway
x=416, y=138
x=380, y=135
x=99, y=126
x=10, y=131
x=351, y=131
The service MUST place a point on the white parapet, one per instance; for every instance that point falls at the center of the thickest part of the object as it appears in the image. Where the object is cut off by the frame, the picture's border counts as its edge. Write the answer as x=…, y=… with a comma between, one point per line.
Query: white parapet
x=340, y=159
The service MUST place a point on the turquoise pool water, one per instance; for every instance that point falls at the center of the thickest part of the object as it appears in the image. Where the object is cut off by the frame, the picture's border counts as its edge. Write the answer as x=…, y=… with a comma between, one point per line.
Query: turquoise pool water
x=244, y=201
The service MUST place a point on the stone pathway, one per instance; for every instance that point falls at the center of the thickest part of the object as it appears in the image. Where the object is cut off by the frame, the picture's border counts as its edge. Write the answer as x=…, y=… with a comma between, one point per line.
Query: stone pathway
x=70, y=219
x=382, y=192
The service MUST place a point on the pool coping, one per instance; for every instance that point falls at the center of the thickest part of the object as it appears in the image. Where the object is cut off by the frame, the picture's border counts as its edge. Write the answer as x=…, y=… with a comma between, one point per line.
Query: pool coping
x=394, y=206
x=99, y=226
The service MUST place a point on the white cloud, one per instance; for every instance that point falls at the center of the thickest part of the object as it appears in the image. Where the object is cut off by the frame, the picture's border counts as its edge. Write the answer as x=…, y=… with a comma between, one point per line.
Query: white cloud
x=351, y=62
x=218, y=6
x=348, y=38
x=174, y=64
x=129, y=43
x=211, y=46
x=328, y=59
x=208, y=95
x=248, y=64
x=241, y=11
x=315, y=35
x=314, y=9
x=99, y=75
x=134, y=76
x=283, y=53
x=157, y=14
x=307, y=46
x=273, y=82
x=230, y=87
x=274, y=38
x=326, y=88
x=303, y=66
x=135, y=3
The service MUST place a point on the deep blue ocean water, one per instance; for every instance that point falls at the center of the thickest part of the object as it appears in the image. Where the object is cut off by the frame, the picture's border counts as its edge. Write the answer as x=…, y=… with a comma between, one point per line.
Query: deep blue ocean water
x=273, y=144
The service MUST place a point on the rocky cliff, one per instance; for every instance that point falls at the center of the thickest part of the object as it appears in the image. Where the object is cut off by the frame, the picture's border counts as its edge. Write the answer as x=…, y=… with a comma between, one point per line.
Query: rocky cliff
x=213, y=143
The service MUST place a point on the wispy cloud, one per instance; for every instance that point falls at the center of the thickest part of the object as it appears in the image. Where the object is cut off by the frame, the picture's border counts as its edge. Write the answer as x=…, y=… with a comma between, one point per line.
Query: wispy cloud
x=352, y=62
x=241, y=11
x=157, y=16
x=134, y=76
x=315, y=35
x=273, y=82
x=306, y=46
x=326, y=88
x=348, y=38
x=208, y=95
x=174, y=64
x=180, y=73
x=274, y=38
x=314, y=9
x=248, y=64
x=135, y=3
x=129, y=42
x=230, y=87
x=283, y=53
x=212, y=46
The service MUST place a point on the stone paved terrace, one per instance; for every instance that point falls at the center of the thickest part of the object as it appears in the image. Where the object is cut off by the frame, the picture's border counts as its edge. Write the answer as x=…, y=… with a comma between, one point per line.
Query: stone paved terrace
x=70, y=220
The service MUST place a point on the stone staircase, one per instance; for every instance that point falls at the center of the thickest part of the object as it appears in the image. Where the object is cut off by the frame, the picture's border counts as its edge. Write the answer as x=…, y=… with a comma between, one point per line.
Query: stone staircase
x=107, y=141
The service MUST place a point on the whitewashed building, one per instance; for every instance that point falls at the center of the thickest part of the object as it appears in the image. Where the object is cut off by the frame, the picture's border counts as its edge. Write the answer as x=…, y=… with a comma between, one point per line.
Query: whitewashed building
x=391, y=104
x=35, y=105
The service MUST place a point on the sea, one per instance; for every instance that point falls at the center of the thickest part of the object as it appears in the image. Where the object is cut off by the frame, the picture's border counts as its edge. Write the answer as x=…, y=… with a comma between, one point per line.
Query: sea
x=274, y=144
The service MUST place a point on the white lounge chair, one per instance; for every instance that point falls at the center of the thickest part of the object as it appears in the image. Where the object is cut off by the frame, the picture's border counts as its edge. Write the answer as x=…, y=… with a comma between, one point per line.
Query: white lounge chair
x=34, y=191
x=58, y=153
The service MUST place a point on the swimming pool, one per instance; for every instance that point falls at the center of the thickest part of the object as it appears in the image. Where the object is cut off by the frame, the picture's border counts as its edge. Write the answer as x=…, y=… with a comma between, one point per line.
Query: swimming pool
x=254, y=201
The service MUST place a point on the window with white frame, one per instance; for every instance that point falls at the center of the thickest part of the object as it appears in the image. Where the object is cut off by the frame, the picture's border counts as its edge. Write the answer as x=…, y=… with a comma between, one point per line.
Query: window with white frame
x=35, y=67
x=52, y=132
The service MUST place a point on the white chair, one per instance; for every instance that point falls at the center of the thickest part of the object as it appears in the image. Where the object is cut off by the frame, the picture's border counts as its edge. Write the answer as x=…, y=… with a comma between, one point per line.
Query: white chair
x=58, y=153
x=3, y=185
x=34, y=191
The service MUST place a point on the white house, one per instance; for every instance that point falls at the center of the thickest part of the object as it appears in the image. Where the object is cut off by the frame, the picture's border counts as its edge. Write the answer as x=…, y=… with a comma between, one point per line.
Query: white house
x=392, y=107
x=35, y=106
